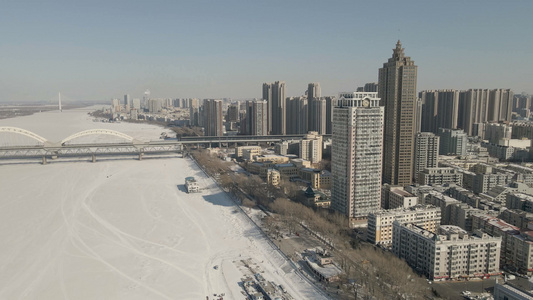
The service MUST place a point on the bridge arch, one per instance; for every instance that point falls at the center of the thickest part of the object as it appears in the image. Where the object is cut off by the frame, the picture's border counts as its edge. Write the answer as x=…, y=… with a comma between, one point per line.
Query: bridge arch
x=24, y=132
x=97, y=132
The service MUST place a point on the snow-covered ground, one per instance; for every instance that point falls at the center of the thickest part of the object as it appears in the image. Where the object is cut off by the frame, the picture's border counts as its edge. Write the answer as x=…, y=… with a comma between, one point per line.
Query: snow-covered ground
x=123, y=228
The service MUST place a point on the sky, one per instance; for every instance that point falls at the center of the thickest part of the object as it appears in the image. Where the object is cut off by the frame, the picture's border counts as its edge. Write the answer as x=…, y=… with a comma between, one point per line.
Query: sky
x=99, y=50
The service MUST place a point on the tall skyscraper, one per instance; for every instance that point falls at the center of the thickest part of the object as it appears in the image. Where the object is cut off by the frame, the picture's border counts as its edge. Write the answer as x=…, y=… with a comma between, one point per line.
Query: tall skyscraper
x=357, y=154
x=255, y=121
x=213, y=117
x=274, y=94
x=397, y=90
x=426, y=152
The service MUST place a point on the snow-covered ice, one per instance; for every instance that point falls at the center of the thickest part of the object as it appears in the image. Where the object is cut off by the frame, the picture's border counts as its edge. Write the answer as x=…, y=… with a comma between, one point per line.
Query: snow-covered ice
x=123, y=228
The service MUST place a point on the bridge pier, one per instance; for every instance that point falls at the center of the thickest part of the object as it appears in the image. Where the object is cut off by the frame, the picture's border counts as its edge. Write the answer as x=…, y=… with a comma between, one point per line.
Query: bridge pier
x=141, y=156
x=94, y=158
x=44, y=160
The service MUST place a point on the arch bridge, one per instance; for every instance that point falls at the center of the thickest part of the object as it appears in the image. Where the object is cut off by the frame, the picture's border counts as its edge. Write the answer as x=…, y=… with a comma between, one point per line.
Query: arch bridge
x=65, y=148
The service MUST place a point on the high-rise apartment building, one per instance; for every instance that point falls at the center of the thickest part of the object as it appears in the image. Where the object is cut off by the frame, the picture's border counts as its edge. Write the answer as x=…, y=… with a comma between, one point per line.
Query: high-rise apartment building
x=213, y=118
x=297, y=110
x=452, y=141
x=232, y=115
x=155, y=106
x=357, y=154
x=194, y=112
x=313, y=91
x=440, y=108
x=317, y=115
x=330, y=102
x=255, y=121
x=397, y=90
x=274, y=94
x=127, y=103
x=482, y=105
x=426, y=152
x=369, y=87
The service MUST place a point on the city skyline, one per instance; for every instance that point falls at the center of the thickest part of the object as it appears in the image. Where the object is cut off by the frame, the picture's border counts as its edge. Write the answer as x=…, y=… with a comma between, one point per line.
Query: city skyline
x=104, y=50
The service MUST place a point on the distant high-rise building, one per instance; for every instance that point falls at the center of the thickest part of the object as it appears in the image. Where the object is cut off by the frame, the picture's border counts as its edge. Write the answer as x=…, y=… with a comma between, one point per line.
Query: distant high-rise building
x=317, y=112
x=136, y=104
x=313, y=90
x=155, y=106
x=440, y=109
x=521, y=103
x=255, y=120
x=146, y=97
x=418, y=118
x=232, y=115
x=297, y=112
x=115, y=105
x=357, y=154
x=496, y=132
x=452, y=141
x=213, y=118
x=478, y=106
x=330, y=102
x=426, y=152
x=127, y=103
x=368, y=87
x=194, y=112
x=371, y=87
x=274, y=94
x=397, y=90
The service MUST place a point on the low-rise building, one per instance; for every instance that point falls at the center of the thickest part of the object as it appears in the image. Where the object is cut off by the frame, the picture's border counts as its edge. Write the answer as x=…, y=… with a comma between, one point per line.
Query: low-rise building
x=321, y=263
x=440, y=175
x=401, y=199
x=287, y=171
x=519, y=201
x=273, y=177
x=517, y=246
x=518, y=218
x=319, y=179
x=251, y=151
x=450, y=254
x=275, y=159
x=379, y=230
x=444, y=203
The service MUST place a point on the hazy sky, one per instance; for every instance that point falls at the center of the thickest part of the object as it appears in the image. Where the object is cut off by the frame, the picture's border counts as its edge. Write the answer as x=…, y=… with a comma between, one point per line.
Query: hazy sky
x=98, y=50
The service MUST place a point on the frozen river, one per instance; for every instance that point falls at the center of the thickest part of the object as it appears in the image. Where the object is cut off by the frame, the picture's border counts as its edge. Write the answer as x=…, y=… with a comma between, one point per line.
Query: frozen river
x=123, y=228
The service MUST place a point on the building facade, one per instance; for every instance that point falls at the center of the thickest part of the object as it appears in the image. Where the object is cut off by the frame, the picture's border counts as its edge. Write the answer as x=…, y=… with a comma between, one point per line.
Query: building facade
x=357, y=154
x=452, y=141
x=450, y=254
x=426, y=152
x=274, y=94
x=379, y=230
